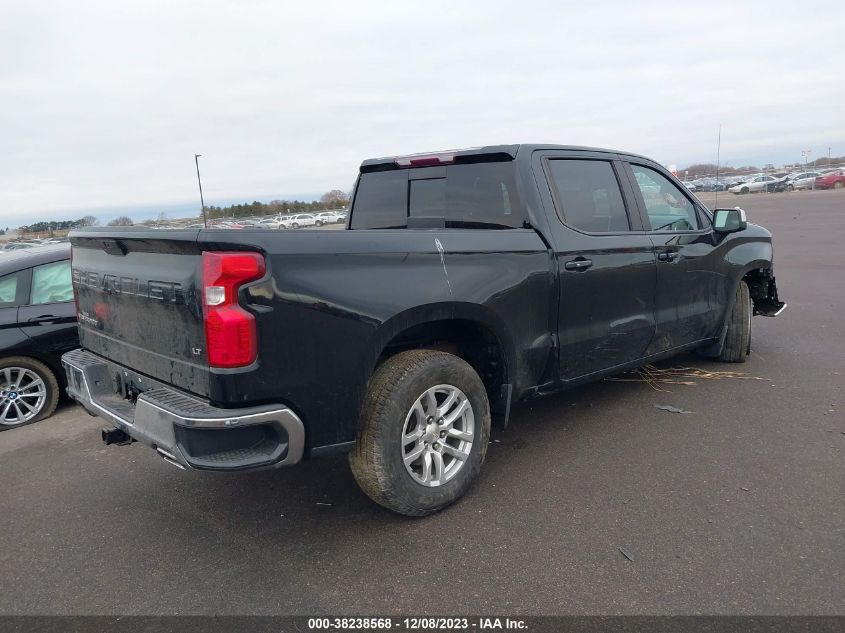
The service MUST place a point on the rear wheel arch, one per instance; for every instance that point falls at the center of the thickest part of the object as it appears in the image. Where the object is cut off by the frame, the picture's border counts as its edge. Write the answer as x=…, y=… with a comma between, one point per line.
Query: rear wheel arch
x=425, y=415
x=468, y=331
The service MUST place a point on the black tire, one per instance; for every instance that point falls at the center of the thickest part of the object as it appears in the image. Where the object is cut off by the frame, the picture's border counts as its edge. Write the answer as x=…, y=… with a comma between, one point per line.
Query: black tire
x=837, y=185
x=319, y=223
x=377, y=459
x=294, y=225
x=790, y=187
x=737, y=345
x=744, y=190
x=51, y=388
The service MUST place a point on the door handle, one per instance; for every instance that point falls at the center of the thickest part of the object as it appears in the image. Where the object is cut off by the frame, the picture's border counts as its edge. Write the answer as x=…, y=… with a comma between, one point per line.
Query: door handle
x=578, y=264
x=667, y=256
x=45, y=319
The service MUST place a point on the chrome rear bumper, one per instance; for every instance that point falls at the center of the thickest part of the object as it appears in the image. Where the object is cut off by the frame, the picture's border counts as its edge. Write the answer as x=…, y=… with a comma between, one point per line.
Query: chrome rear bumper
x=185, y=430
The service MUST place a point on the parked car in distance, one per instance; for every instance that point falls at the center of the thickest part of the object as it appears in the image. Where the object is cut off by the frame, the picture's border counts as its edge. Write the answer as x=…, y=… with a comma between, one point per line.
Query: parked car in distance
x=269, y=223
x=399, y=338
x=692, y=186
x=711, y=184
x=802, y=180
x=328, y=217
x=298, y=220
x=16, y=246
x=754, y=185
x=37, y=326
x=832, y=180
x=779, y=185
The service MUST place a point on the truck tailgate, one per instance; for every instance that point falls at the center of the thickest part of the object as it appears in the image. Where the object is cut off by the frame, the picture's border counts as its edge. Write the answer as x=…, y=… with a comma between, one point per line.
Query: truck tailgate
x=139, y=302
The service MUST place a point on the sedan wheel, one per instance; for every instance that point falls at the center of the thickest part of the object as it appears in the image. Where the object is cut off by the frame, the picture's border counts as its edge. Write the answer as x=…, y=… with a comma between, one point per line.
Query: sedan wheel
x=24, y=396
x=837, y=185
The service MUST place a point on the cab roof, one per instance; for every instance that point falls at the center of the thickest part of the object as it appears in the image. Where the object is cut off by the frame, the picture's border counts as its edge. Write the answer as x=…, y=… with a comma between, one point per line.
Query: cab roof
x=488, y=153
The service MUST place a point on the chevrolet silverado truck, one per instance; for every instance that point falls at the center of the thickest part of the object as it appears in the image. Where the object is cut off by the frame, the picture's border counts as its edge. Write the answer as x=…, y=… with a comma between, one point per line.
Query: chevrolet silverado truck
x=464, y=281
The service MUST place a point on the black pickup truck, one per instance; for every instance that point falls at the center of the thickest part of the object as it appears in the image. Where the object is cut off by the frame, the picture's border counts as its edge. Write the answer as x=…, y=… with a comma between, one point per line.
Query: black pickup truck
x=463, y=281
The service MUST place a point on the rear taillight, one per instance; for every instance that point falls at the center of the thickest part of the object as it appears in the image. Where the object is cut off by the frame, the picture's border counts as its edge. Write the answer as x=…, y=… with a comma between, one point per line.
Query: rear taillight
x=230, y=334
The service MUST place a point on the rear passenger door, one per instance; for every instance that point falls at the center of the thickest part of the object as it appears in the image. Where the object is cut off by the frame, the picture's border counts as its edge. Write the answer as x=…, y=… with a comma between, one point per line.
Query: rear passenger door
x=691, y=292
x=14, y=290
x=49, y=316
x=606, y=265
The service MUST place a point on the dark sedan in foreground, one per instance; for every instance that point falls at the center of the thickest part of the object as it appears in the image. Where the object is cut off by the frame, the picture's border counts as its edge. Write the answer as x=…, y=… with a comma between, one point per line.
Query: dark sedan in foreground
x=37, y=326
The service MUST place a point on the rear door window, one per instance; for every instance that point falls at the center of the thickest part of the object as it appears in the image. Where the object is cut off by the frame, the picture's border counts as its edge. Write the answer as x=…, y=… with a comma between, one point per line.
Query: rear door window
x=481, y=195
x=13, y=289
x=51, y=283
x=588, y=195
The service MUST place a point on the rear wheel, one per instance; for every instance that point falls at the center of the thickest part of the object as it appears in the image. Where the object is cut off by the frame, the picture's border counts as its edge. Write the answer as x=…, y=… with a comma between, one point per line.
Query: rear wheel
x=837, y=185
x=744, y=190
x=737, y=345
x=424, y=431
x=790, y=187
x=29, y=391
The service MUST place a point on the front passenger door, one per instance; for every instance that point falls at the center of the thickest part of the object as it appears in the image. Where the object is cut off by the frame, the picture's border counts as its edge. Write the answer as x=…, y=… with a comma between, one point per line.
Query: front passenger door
x=690, y=291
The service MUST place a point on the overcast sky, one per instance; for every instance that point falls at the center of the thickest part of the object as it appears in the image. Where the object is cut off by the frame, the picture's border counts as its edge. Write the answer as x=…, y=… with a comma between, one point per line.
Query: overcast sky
x=103, y=104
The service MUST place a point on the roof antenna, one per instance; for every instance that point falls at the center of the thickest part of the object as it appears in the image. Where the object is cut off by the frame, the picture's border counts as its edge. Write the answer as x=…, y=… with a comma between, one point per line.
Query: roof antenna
x=718, y=155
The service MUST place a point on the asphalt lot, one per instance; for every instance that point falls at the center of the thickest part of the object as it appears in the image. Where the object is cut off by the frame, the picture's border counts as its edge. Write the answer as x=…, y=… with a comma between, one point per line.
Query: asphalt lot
x=734, y=508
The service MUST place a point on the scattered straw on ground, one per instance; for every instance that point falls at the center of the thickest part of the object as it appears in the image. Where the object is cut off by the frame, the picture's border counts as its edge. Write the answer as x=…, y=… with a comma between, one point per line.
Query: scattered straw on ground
x=653, y=376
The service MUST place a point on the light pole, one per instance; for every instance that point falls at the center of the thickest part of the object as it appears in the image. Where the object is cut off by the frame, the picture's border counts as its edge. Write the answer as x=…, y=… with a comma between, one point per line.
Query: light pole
x=806, y=154
x=199, y=181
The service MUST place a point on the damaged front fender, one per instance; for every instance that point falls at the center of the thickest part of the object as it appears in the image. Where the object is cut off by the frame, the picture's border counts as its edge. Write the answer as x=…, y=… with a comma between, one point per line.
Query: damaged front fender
x=764, y=293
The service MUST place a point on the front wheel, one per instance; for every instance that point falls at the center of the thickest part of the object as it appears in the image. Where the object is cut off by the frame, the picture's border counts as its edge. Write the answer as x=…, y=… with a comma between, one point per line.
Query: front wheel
x=423, y=435
x=737, y=345
x=744, y=190
x=838, y=185
x=29, y=391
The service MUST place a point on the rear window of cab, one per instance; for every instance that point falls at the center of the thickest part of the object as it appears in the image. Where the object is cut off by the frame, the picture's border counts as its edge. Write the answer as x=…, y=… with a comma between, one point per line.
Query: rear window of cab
x=478, y=195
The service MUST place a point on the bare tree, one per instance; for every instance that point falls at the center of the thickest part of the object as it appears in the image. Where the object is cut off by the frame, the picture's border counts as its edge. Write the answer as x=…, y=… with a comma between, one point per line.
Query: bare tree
x=122, y=221
x=88, y=220
x=334, y=199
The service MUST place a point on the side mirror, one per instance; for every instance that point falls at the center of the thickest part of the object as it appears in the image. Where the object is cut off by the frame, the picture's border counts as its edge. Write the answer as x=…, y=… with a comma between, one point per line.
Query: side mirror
x=729, y=220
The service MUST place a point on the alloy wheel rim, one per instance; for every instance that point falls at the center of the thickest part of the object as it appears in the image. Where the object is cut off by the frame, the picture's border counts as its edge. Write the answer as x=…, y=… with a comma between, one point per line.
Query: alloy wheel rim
x=438, y=435
x=22, y=395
